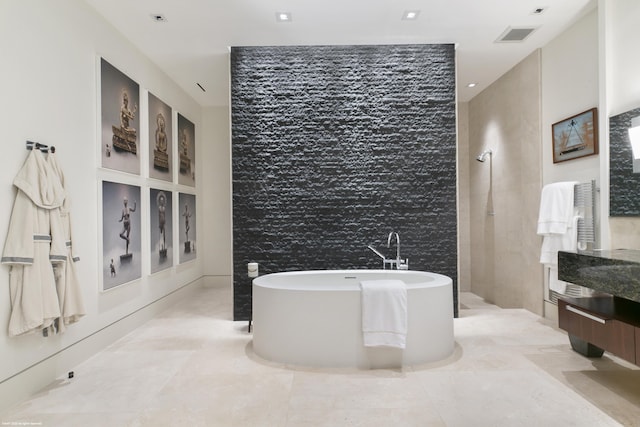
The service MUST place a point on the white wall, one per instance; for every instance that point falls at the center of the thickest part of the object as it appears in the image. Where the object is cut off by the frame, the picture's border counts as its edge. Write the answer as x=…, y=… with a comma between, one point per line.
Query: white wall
x=216, y=171
x=623, y=33
x=620, y=90
x=569, y=87
x=49, y=94
x=594, y=64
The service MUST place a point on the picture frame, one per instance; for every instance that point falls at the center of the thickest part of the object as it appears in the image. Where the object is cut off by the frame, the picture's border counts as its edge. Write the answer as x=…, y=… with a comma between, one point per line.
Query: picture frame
x=160, y=229
x=160, y=139
x=121, y=234
x=187, y=235
x=186, y=159
x=119, y=120
x=575, y=136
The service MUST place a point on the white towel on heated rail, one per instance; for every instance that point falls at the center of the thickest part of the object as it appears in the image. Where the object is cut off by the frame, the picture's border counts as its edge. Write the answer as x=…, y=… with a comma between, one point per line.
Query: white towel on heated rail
x=384, y=313
x=558, y=224
x=556, y=208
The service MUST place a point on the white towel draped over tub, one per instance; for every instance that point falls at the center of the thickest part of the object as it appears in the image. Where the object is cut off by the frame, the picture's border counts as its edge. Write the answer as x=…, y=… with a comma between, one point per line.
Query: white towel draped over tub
x=384, y=313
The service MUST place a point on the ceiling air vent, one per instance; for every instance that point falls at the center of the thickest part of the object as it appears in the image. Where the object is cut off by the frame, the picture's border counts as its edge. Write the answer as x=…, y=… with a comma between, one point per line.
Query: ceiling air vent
x=515, y=35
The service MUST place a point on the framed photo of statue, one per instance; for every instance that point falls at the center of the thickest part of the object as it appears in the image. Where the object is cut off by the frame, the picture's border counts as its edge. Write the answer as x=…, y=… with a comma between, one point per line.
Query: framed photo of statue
x=160, y=139
x=186, y=152
x=121, y=234
x=119, y=120
x=187, y=226
x=161, y=229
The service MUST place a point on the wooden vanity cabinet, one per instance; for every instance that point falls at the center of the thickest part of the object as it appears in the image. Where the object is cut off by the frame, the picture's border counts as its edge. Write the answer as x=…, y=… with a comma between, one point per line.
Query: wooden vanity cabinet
x=609, y=319
x=598, y=324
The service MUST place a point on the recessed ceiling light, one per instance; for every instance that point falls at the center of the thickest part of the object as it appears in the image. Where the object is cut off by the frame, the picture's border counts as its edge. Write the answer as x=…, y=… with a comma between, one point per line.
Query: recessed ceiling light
x=283, y=16
x=158, y=17
x=410, y=15
x=472, y=85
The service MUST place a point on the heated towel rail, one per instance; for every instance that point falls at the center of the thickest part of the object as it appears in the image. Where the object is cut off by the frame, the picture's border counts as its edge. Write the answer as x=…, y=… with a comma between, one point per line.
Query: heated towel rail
x=584, y=200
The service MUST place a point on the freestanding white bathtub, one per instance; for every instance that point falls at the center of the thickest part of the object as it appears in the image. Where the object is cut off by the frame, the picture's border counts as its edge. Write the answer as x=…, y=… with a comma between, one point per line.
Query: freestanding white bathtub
x=314, y=318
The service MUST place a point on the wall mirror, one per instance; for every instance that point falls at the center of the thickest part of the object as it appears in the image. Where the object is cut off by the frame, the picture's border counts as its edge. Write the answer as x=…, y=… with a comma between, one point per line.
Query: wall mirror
x=624, y=170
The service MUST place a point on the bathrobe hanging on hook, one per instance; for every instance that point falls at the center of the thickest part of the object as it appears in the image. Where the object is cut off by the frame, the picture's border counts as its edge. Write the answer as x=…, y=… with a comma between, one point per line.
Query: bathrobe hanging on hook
x=34, y=241
x=67, y=283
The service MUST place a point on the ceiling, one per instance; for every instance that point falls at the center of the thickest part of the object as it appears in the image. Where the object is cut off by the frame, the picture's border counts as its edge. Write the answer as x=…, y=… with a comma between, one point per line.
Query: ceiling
x=192, y=44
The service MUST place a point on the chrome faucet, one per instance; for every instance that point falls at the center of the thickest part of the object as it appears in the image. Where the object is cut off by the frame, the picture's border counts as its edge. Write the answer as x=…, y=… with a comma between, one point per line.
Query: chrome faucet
x=400, y=263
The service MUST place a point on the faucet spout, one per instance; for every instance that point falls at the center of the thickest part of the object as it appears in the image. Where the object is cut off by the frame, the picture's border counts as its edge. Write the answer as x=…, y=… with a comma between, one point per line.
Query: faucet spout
x=391, y=235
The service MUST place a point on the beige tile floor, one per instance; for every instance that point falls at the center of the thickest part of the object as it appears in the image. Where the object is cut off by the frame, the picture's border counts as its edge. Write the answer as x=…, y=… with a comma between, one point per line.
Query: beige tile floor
x=193, y=366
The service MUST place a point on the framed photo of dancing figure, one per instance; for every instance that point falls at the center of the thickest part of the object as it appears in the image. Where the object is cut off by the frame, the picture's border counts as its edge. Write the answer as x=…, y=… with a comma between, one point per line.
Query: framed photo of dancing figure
x=186, y=152
x=121, y=234
x=120, y=121
x=160, y=139
x=161, y=229
x=576, y=136
x=187, y=226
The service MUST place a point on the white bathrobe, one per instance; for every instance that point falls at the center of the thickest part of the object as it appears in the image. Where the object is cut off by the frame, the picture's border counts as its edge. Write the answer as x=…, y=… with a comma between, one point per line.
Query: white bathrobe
x=67, y=283
x=35, y=240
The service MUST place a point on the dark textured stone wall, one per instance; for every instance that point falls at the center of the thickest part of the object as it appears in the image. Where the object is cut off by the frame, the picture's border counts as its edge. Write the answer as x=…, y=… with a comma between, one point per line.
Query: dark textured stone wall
x=624, y=185
x=333, y=148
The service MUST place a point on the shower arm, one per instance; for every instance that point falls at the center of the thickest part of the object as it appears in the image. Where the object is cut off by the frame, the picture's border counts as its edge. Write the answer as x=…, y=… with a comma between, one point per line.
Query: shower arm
x=483, y=156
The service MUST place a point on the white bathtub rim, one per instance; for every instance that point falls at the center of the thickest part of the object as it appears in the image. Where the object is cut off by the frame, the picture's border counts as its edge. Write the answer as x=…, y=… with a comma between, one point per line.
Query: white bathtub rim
x=430, y=279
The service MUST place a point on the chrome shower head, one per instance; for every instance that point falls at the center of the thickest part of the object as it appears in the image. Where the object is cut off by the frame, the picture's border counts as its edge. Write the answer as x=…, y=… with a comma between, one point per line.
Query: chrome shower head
x=483, y=156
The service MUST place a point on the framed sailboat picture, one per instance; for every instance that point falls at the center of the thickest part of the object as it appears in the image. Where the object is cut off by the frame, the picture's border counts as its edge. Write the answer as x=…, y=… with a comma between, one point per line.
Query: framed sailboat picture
x=576, y=136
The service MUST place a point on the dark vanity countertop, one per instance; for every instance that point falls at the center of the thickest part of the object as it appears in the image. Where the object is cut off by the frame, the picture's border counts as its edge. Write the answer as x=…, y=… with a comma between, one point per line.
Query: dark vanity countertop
x=615, y=272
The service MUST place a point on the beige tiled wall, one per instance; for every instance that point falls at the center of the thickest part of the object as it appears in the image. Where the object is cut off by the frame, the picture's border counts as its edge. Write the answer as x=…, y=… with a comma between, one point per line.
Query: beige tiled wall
x=464, y=261
x=504, y=192
x=625, y=232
